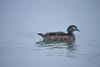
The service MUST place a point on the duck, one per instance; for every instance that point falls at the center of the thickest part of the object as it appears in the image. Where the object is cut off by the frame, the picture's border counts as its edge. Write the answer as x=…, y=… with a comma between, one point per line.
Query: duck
x=60, y=36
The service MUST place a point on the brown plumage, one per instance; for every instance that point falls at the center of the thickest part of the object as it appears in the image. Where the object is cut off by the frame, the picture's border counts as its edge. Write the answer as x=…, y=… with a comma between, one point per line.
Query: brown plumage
x=60, y=36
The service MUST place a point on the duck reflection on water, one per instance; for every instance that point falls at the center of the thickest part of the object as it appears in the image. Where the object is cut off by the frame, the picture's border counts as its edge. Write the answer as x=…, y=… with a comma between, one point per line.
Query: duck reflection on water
x=68, y=47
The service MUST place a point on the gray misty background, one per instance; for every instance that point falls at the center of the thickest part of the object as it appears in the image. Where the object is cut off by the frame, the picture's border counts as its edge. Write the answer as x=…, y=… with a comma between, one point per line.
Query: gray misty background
x=49, y=15
x=21, y=19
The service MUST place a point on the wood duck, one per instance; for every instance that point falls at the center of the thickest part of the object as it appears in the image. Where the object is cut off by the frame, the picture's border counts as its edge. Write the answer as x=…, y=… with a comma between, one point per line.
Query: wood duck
x=61, y=36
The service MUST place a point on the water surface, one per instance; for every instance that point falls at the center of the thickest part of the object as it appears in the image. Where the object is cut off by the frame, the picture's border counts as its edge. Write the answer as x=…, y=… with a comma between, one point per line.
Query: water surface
x=20, y=49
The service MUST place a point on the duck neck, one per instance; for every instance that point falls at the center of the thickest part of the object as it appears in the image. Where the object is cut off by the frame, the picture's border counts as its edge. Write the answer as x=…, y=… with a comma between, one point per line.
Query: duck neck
x=72, y=35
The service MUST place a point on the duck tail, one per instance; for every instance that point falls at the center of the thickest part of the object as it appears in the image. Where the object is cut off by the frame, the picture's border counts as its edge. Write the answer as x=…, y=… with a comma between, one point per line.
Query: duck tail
x=42, y=35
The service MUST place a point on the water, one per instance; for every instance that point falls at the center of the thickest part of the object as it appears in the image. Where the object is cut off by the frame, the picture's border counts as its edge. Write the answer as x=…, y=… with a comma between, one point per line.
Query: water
x=20, y=49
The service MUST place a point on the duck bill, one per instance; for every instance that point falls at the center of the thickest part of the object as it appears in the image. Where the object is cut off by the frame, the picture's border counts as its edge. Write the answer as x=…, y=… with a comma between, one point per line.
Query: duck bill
x=78, y=30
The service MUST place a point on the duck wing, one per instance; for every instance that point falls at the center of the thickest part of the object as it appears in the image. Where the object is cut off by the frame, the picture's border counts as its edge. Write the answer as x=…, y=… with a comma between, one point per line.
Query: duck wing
x=56, y=33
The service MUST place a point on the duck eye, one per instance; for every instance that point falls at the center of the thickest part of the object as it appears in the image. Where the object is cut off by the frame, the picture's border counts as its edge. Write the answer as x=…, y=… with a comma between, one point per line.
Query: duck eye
x=73, y=28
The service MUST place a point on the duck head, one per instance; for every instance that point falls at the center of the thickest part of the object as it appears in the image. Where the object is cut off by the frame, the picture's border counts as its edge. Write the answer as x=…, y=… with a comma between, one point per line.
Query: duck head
x=72, y=28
